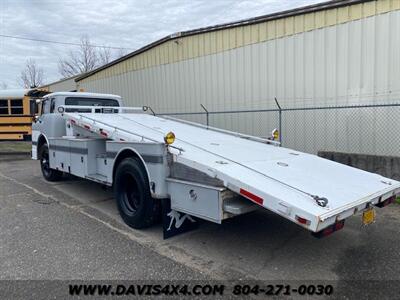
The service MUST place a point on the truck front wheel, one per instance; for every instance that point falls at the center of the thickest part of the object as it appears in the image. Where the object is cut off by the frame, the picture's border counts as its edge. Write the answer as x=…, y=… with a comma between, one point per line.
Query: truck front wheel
x=48, y=173
x=132, y=192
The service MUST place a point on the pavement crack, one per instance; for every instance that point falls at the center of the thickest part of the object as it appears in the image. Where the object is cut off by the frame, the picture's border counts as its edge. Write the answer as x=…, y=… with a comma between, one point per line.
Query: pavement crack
x=46, y=201
x=15, y=194
x=28, y=187
x=211, y=269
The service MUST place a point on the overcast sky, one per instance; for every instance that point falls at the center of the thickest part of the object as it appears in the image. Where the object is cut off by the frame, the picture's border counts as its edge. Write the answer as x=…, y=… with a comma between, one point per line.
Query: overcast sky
x=131, y=24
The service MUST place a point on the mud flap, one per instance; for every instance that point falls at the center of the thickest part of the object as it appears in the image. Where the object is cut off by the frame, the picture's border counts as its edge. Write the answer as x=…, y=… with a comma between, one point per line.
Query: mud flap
x=174, y=222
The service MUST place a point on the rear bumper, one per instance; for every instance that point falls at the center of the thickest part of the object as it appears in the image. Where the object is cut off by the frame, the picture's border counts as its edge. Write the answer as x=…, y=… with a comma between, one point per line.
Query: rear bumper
x=355, y=208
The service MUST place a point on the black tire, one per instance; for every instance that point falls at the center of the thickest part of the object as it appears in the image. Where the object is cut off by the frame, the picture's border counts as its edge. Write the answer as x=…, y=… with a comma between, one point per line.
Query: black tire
x=48, y=174
x=132, y=192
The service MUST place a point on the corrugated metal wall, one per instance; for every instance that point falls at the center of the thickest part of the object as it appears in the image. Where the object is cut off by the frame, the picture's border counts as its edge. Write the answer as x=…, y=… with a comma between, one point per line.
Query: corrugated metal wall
x=206, y=43
x=66, y=85
x=347, y=63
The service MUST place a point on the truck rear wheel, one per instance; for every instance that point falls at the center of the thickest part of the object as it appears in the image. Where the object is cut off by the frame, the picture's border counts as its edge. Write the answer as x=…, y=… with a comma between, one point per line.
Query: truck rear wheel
x=132, y=192
x=48, y=173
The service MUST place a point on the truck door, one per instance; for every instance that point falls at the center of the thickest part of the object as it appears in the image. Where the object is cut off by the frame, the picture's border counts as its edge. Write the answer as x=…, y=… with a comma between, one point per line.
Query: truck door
x=41, y=121
x=50, y=123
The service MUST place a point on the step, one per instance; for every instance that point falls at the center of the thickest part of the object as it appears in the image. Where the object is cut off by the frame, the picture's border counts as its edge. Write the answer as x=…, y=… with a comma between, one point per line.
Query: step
x=98, y=178
x=238, y=206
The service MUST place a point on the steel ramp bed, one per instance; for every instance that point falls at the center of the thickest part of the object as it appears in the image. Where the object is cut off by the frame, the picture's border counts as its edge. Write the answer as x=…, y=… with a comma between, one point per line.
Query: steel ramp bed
x=293, y=184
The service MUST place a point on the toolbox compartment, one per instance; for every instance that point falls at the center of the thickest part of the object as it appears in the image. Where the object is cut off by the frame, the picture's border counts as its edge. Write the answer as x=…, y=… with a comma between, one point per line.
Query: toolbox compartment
x=76, y=156
x=205, y=201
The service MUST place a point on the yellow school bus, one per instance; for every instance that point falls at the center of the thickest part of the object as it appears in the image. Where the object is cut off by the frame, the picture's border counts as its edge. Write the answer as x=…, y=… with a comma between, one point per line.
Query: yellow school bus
x=17, y=108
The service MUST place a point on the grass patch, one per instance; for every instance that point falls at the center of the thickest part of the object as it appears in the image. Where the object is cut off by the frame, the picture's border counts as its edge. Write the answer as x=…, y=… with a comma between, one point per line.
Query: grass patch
x=398, y=200
x=15, y=146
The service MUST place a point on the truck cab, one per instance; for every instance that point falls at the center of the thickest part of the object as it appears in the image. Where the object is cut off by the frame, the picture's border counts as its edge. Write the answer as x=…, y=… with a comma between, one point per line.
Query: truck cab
x=50, y=123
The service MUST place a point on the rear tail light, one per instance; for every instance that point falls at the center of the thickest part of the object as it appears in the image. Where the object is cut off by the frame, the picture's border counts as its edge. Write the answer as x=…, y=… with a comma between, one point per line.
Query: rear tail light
x=302, y=220
x=386, y=202
x=329, y=230
x=339, y=225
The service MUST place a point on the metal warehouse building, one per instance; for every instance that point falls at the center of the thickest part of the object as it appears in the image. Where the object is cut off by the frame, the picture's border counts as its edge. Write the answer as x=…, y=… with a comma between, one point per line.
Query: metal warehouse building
x=334, y=53
x=63, y=85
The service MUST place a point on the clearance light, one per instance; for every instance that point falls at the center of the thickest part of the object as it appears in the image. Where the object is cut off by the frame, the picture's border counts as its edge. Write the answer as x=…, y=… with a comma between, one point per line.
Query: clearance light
x=103, y=133
x=275, y=134
x=169, y=138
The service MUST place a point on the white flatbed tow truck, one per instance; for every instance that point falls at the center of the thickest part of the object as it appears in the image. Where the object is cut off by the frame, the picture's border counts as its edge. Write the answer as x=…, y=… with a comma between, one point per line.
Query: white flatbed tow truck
x=194, y=170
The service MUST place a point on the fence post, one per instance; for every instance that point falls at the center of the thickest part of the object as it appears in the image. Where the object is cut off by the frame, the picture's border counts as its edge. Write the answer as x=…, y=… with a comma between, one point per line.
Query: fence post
x=205, y=109
x=280, y=120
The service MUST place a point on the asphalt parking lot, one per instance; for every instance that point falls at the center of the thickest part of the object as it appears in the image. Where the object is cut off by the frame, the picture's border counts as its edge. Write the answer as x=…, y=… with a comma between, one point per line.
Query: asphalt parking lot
x=71, y=230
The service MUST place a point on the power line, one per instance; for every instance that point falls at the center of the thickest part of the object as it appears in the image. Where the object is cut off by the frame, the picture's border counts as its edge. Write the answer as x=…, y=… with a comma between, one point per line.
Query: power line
x=61, y=43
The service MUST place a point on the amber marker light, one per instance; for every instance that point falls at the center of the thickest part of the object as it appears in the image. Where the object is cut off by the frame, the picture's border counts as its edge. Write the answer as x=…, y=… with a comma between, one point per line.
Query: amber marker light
x=169, y=138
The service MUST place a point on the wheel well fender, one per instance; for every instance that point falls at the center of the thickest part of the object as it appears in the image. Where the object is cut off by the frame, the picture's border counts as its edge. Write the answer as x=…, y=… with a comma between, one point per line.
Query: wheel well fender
x=125, y=153
x=41, y=141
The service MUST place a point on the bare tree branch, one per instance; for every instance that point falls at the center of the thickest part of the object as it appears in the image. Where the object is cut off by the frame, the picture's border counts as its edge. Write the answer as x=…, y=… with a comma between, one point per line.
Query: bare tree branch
x=32, y=75
x=104, y=56
x=81, y=61
x=86, y=58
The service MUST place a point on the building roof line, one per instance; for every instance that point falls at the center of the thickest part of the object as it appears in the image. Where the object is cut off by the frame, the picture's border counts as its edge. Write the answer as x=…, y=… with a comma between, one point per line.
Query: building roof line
x=61, y=80
x=264, y=18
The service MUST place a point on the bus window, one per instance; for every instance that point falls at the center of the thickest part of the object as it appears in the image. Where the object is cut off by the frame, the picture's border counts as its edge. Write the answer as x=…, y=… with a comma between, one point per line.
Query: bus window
x=17, y=107
x=3, y=107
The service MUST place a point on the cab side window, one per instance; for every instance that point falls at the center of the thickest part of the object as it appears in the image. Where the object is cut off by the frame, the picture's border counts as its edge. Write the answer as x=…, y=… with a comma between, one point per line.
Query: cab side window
x=52, y=105
x=46, y=106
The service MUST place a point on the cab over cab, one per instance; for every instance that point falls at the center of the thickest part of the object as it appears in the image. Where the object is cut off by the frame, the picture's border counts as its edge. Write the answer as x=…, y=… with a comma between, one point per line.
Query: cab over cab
x=206, y=172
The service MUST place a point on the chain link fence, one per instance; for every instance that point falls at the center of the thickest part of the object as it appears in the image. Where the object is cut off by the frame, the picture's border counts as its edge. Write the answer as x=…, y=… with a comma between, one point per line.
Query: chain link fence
x=364, y=129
